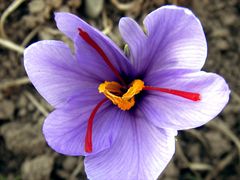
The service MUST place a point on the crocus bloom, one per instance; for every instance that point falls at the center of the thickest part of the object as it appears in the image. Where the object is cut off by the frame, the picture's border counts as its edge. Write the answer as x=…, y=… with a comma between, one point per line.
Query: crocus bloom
x=123, y=113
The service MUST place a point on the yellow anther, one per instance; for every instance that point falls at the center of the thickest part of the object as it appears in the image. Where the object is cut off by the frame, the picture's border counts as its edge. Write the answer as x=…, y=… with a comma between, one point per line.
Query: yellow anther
x=115, y=92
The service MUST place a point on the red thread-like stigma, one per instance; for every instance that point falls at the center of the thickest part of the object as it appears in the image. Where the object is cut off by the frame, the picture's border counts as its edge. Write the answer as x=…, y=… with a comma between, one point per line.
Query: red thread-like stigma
x=88, y=137
x=188, y=95
x=100, y=51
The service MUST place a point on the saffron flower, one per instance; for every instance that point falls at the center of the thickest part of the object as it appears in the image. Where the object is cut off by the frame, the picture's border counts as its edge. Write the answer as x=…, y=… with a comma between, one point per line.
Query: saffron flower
x=123, y=112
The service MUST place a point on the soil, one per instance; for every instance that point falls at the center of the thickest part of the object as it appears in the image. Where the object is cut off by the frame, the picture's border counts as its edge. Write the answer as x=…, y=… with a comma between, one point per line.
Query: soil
x=209, y=152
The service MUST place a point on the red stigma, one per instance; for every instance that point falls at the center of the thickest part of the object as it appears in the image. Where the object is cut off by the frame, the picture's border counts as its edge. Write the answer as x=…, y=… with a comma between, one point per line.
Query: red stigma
x=88, y=137
x=100, y=51
x=188, y=95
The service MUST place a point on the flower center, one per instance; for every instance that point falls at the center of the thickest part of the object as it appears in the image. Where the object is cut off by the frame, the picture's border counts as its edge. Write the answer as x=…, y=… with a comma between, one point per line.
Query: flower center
x=123, y=98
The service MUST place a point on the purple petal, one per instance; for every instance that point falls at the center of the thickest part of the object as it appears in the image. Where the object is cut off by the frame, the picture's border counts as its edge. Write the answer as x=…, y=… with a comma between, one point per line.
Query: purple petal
x=141, y=151
x=135, y=38
x=65, y=128
x=175, y=40
x=55, y=73
x=69, y=24
x=170, y=111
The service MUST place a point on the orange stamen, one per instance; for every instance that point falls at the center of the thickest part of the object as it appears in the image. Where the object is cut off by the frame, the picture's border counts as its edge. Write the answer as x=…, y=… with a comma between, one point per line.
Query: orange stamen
x=124, y=100
x=88, y=137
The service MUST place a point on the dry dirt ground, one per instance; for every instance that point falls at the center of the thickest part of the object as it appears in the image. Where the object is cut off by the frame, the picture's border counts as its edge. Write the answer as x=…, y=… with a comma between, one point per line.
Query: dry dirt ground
x=209, y=152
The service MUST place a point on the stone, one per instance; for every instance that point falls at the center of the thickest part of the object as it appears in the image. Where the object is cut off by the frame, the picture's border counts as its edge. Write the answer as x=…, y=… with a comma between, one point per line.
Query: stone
x=64, y=9
x=38, y=168
x=55, y=3
x=230, y=19
x=24, y=139
x=36, y=6
x=219, y=145
x=93, y=7
x=22, y=102
x=70, y=163
x=222, y=44
x=6, y=109
x=74, y=3
x=220, y=32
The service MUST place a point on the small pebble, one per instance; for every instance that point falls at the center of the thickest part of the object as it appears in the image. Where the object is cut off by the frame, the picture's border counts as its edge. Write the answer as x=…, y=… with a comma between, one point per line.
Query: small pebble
x=220, y=32
x=38, y=168
x=230, y=19
x=23, y=138
x=218, y=144
x=30, y=107
x=6, y=109
x=64, y=9
x=222, y=44
x=22, y=112
x=70, y=163
x=55, y=3
x=94, y=7
x=74, y=3
x=22, y=101
x=1, y=96
x=36, y=6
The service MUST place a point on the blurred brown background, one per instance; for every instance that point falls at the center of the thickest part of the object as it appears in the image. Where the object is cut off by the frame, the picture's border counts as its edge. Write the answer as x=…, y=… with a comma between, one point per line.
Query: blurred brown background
x=209, y=152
